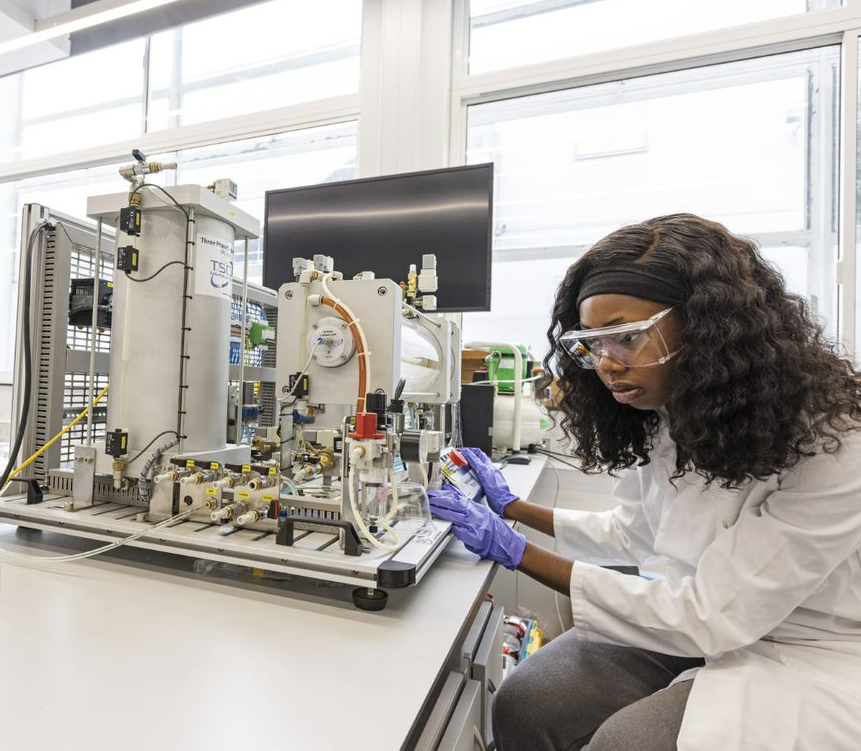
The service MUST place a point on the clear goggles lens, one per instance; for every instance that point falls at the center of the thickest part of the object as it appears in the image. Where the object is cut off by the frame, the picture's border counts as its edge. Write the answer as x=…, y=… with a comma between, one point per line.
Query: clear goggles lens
x=635, y=345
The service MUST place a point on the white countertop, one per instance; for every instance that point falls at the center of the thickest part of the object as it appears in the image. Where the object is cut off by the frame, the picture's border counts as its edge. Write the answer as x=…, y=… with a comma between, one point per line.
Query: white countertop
x=136, y=651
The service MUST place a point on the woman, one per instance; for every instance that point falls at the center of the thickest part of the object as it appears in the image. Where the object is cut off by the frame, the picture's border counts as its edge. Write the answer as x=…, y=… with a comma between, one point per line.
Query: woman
x=686, y=369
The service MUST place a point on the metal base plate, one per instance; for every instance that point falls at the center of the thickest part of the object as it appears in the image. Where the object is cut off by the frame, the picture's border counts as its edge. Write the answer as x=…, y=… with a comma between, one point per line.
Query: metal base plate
x=314, y=555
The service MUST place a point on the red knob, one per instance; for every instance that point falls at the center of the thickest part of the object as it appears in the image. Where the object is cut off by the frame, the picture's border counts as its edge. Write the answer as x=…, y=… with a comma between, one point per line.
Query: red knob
x=366, y=426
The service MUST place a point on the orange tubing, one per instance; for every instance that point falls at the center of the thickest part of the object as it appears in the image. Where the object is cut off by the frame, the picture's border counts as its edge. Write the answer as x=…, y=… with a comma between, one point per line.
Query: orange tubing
x=363, y=365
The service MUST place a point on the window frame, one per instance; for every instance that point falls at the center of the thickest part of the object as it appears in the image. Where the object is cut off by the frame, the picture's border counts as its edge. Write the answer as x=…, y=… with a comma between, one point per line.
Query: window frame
x=838, y=26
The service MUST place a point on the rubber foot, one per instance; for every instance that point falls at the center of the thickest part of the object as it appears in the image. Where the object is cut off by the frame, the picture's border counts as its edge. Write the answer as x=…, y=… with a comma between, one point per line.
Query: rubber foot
x=373, y=599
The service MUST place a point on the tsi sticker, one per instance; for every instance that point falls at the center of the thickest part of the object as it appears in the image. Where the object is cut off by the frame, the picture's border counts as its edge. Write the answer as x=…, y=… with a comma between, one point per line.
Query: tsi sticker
x=213, y=267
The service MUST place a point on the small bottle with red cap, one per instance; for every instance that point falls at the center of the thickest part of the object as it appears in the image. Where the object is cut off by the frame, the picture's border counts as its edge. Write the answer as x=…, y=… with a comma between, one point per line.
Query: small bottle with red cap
x=457, y=472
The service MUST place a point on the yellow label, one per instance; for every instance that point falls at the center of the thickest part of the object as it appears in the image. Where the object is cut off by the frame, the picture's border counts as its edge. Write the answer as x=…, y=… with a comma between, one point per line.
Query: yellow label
x=123, y=442
x=244, y=494
x=189, y=463
x=110, y=285
x=134, y=258
x=268, y=498
x=212, y=491
x=273, y=471
x=213, y=465
x=246, y=468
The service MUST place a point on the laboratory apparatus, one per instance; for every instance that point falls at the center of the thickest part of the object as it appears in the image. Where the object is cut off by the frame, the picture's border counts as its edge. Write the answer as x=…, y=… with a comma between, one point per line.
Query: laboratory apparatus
x=293, y=431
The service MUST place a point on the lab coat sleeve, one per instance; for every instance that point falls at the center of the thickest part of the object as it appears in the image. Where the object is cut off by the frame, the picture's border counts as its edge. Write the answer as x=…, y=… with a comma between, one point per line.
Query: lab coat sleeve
x=748, y=580
x=618, y=537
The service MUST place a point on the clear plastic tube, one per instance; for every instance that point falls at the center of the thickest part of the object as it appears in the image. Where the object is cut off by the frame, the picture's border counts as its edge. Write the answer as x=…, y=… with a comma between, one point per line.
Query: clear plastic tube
x=10, y=557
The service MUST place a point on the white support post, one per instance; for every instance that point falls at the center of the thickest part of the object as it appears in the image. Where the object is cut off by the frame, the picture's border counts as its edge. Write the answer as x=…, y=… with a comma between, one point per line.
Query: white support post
x=848, y=222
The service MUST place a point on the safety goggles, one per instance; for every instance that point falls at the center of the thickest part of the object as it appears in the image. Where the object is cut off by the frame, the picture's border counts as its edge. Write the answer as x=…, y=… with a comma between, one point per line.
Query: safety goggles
x=637, y=344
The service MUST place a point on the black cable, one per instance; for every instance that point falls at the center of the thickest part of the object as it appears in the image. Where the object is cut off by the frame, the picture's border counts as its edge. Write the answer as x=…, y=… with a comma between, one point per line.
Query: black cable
x=152, y=276
x=25, y=335
x=158, y=187
x=140, y=453
x=66, y=233
x=558, y=458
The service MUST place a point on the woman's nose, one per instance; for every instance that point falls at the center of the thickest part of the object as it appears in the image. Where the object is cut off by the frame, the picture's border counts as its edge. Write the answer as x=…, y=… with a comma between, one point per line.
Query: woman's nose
x=609, y=365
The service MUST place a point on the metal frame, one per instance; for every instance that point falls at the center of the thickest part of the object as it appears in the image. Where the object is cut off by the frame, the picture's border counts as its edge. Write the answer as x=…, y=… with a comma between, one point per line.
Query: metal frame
x=56, y=358
x=315, y=555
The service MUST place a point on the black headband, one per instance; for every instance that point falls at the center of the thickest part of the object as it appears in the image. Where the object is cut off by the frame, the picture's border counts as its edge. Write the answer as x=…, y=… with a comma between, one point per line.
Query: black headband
x=649, y=281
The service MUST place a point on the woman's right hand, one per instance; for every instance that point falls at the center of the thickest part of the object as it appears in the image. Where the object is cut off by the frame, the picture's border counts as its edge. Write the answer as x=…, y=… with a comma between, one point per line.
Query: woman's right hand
x=495, y=488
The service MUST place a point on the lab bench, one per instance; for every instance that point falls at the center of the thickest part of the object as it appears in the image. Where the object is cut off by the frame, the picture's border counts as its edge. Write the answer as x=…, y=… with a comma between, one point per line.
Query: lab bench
x=141, y=650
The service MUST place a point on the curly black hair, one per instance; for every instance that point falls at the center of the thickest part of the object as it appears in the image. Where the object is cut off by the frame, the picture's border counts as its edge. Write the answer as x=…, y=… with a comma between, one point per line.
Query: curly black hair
x=758, y=385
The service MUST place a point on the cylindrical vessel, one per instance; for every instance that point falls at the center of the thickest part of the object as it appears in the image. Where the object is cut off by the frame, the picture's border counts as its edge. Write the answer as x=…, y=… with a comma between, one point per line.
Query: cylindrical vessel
x=420, y=361
x=534, y=422
x=147, y=328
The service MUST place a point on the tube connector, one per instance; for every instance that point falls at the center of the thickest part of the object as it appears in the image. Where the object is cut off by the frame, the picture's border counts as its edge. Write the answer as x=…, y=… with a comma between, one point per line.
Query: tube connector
x=198, y=478
x=224, y=513
x=118, y=468
x=262, y=482
x=250, y=517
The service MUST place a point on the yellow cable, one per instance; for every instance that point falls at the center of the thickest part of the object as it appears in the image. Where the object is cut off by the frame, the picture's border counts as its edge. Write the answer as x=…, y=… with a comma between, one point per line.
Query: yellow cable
x=59, y=435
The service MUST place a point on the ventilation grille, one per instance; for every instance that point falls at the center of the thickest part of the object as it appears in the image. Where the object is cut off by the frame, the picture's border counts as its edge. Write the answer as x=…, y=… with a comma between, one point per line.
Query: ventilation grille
x=76, y=396
x=42, y=367
x=61, y=482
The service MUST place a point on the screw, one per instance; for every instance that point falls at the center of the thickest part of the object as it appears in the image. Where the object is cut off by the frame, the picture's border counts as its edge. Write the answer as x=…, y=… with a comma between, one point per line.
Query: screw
x=285, y=389
x=288, y=294
x=313, y=325
x=381, y=291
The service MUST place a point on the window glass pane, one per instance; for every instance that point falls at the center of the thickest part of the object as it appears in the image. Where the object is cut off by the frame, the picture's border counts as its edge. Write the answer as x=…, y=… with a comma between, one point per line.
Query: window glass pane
x=285, y=160
x=748, y=144
x=65, y=192
x=85, y=100
x=507, y=33
x=263, y=57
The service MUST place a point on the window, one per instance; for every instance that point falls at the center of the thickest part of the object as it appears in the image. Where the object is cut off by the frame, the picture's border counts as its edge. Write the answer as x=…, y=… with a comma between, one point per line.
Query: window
x=507, y=33
x=749, y=144
x=258, y=58
x=285, y=160
x=84, y=101
x=66, y=192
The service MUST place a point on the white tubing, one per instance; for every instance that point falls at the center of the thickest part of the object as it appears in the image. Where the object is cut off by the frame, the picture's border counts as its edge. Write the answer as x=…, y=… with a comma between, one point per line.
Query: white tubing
x=394, y=487
x=363, y=527
x=9, y=556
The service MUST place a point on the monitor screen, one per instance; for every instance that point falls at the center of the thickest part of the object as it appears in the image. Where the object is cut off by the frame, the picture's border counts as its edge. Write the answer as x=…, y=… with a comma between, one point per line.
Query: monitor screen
x=383, y=224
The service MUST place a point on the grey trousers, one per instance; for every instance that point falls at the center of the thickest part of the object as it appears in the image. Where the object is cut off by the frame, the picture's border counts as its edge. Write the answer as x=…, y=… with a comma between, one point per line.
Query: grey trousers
x=599, y=697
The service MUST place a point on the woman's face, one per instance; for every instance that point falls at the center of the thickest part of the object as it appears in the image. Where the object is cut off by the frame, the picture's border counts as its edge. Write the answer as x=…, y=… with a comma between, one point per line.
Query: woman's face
x=640, y=387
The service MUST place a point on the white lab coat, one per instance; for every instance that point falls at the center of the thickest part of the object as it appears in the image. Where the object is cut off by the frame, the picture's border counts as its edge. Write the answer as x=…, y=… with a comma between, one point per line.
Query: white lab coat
x=763, y=582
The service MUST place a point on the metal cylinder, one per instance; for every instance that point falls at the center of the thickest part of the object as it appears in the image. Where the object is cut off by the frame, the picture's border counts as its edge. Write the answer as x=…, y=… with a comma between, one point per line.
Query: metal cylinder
x=147, y=328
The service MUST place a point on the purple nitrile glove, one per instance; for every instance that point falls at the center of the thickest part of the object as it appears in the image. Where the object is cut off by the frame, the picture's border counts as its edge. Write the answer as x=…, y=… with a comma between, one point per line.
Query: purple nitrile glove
x=495, y=488
x=477, y=527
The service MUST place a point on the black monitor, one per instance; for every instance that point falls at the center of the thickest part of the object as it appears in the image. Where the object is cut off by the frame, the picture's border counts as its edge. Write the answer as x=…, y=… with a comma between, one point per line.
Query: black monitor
x=383, y=224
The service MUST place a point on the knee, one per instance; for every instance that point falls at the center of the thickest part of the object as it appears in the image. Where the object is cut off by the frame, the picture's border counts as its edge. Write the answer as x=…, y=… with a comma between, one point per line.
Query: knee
x=511, y=702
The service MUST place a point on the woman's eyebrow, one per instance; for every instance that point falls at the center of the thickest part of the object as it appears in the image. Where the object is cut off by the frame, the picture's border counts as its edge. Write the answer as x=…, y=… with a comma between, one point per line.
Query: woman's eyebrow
x=613, y=322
